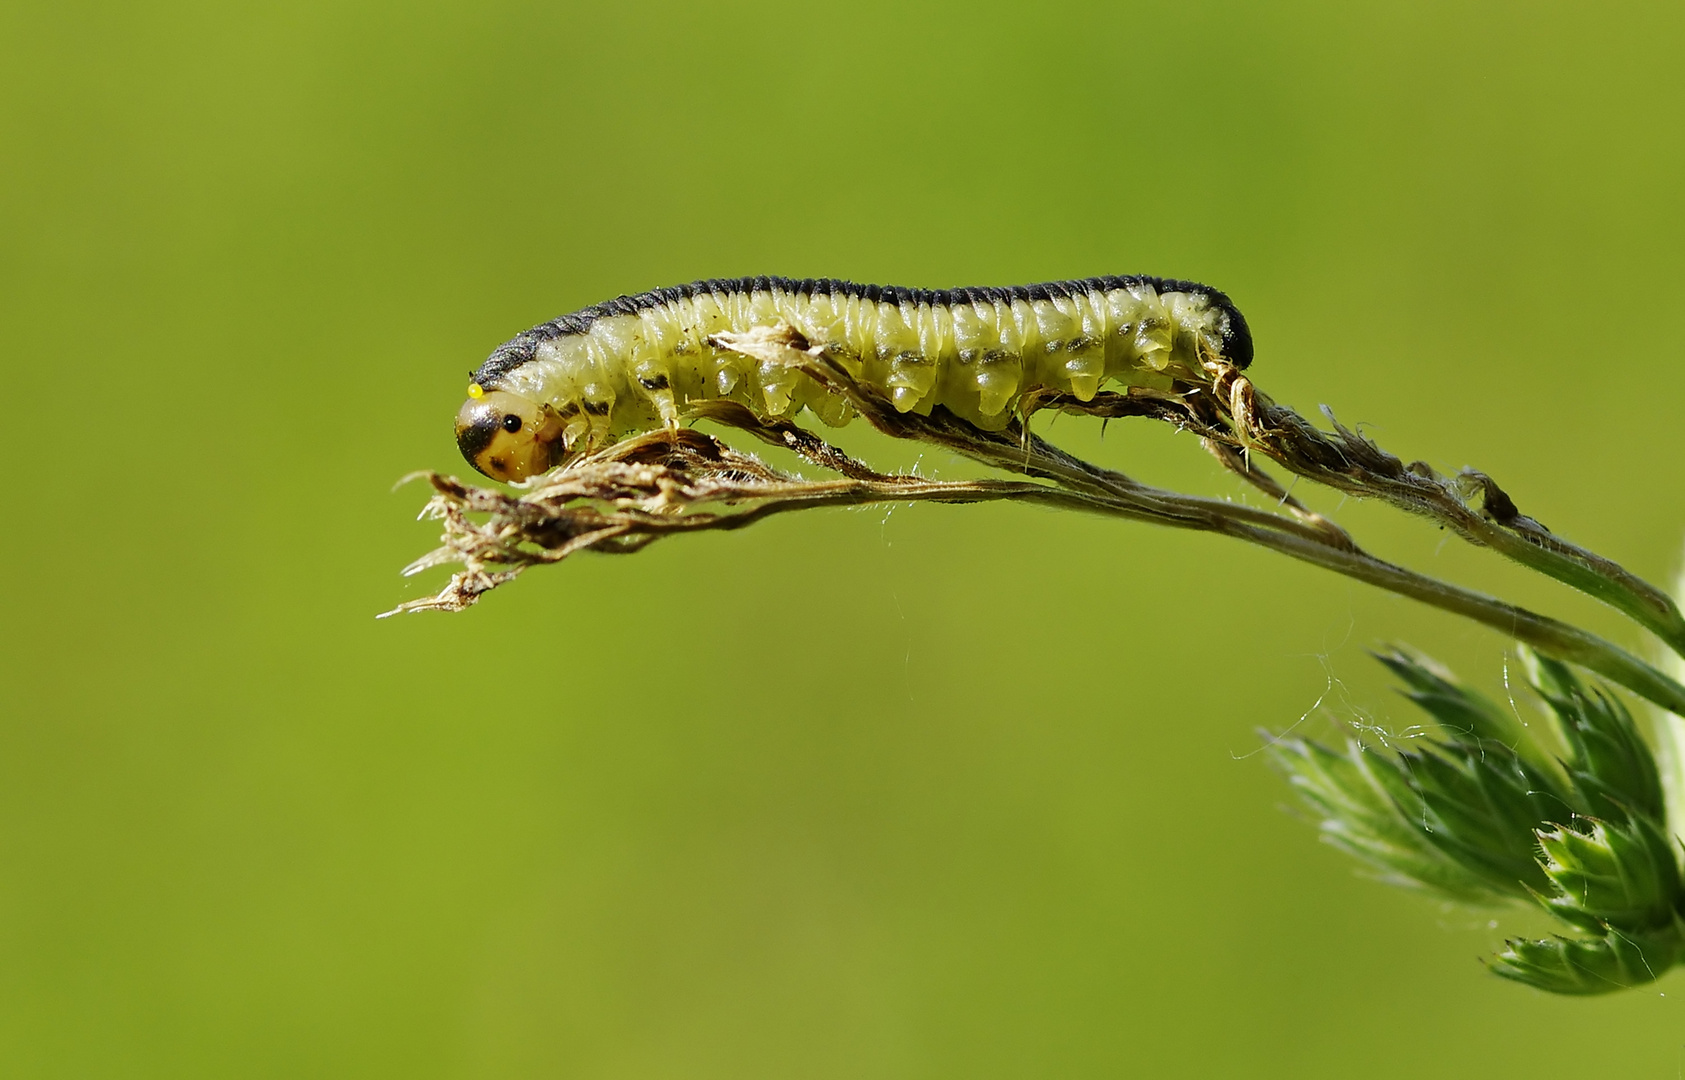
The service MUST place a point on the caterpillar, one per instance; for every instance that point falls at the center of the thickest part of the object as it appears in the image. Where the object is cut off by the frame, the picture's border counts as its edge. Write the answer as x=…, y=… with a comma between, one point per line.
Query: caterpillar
x=631, y=364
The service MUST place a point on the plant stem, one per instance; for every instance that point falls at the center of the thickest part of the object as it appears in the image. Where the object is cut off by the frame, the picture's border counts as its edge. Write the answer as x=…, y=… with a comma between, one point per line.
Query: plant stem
x=1669, y=731
x=1550, y=636
x=1348, y=462
x=1016, y=450
x=655, y=483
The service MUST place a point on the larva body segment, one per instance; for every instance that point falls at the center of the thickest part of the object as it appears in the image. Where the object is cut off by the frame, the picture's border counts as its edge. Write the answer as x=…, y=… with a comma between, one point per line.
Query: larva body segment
x=637, y=362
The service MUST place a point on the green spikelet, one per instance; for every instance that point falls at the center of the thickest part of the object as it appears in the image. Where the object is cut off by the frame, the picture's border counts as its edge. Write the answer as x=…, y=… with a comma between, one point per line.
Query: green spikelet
x=1460, y=712
x=1610, y=875
x=1360, y=797
x=1600, y=965
x=1479, y=803
x=1611, y=767
x=1484, y=814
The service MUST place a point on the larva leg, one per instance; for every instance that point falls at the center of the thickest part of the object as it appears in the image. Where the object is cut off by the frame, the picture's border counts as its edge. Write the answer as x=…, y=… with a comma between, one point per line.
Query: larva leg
x=657, y=383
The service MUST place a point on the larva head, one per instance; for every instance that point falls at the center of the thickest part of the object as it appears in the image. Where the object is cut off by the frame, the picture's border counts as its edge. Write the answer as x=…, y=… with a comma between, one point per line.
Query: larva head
x=507, y=436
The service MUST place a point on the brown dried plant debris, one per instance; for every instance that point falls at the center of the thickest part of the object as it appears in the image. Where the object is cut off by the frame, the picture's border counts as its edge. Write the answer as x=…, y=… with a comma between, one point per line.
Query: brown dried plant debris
x=637, y=491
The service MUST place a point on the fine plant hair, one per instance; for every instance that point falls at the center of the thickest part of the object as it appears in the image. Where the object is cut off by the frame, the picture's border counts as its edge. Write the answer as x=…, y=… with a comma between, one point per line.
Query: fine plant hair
x=1573, y=817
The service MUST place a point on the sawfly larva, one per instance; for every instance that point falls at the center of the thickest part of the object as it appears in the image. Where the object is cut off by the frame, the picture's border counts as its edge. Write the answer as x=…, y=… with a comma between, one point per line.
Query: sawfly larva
x=580, y=382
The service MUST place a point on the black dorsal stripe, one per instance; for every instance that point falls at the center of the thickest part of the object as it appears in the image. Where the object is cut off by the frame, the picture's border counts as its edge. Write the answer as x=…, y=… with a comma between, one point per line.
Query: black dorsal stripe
x=518, y=350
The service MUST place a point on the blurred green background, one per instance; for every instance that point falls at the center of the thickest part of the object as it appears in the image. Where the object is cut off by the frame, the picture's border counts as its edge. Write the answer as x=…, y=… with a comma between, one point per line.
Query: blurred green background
x=938, y=792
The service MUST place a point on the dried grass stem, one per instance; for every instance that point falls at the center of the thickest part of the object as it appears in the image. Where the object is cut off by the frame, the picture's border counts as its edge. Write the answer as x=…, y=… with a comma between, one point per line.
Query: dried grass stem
x=624, y=497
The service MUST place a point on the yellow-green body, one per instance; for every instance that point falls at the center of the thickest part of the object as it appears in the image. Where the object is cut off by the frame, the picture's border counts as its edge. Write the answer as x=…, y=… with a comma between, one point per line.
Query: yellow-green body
x=637, y=363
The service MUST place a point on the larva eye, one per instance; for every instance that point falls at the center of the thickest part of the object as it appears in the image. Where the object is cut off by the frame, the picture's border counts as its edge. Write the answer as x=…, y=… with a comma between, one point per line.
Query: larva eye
x=507, y=436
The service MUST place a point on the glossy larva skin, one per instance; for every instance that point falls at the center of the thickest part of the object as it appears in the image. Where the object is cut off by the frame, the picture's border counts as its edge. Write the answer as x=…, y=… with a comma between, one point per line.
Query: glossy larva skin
x=636, y=363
